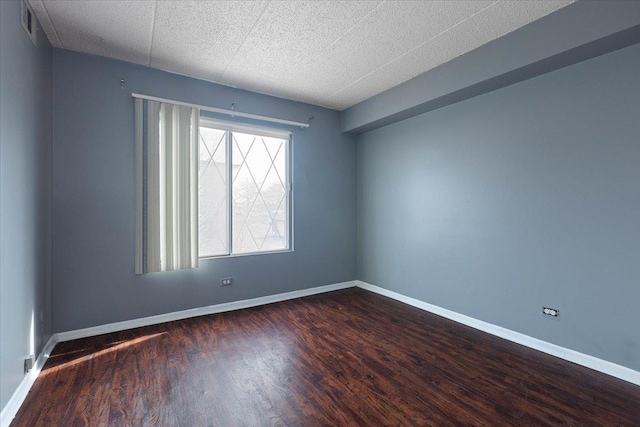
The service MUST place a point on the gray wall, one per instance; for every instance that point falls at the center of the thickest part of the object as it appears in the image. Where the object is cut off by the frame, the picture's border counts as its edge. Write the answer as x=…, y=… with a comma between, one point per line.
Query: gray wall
x=94, y=212
x=523, y=197
x=25, y=196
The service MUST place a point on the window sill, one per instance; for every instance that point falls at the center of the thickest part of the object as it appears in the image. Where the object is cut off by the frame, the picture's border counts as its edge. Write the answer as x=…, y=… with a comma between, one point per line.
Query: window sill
x=283, y=251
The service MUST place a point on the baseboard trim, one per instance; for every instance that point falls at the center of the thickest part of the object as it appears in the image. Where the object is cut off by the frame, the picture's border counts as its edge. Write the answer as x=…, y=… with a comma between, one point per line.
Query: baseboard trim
x=582, y=359
x=13, y=405
x=11, y=408
x=194, y=312
x=606, y=367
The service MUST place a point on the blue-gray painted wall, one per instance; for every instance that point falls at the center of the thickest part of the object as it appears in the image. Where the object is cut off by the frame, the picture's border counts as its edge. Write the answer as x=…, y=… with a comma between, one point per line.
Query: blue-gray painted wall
x=94, y=196
x=25, y=196
x=523, y=197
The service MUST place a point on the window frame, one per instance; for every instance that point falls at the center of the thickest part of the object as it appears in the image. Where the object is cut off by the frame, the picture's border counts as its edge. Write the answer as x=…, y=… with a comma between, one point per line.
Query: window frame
x=229, y=128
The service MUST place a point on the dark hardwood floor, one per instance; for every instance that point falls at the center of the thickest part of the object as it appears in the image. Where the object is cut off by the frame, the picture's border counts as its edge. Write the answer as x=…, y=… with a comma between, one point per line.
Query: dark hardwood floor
x=338, y=359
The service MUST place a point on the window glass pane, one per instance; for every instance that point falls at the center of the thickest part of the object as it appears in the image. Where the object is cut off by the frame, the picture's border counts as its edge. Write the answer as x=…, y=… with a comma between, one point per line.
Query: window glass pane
x=260, y=197
x=259, y=205
x=212, y=193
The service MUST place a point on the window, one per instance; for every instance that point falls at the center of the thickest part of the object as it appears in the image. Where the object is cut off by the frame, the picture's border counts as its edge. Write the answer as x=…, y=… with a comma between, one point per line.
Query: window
x=244, y=189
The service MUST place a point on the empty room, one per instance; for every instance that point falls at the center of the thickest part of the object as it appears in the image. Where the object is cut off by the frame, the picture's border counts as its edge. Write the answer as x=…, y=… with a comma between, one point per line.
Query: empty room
x=319, y=213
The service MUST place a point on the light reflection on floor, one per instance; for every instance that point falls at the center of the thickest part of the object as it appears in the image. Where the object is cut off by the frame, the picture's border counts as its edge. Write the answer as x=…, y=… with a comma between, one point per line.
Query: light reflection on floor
x=115, y=346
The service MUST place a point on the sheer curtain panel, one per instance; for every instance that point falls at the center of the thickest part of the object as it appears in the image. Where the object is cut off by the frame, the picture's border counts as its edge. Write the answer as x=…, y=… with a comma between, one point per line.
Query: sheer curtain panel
x=166, y=137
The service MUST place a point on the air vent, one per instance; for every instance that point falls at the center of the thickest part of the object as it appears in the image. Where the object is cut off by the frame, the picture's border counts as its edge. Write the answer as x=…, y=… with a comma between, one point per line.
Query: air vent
x=28, y=20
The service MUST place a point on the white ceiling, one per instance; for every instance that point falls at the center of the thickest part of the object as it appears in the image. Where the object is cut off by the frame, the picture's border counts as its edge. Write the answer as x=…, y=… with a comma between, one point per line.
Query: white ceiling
x=330, y=53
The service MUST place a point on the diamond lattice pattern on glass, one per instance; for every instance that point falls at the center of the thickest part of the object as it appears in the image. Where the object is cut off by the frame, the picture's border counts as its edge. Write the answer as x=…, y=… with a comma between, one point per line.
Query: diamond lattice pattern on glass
x=260, y=205
x=212, y=193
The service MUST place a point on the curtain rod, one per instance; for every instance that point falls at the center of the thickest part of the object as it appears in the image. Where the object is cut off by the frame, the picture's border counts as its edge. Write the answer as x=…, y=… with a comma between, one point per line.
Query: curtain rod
x=222, y=111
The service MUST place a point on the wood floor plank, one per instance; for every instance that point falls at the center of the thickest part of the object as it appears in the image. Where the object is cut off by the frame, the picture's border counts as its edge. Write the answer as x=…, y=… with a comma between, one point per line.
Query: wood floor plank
x=343, y=358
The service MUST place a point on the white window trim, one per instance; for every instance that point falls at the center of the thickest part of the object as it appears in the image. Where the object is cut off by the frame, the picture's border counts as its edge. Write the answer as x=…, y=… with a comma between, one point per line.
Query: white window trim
x=261, y=131
x=244, y=128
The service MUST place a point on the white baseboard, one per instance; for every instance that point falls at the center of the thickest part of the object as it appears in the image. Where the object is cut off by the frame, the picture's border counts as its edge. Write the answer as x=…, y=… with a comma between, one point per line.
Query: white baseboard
x=18, y=397
x=591, y=362
x=13, y=405
x=194, y=312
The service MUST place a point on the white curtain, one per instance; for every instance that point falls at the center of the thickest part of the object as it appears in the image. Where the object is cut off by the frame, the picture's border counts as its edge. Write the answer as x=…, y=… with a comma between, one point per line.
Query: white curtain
x=166, y=137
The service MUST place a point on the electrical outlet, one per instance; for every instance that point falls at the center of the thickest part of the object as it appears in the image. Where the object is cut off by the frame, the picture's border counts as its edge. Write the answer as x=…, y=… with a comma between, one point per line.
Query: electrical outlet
x=28, y=363
x=228, y=281
x=553, y=312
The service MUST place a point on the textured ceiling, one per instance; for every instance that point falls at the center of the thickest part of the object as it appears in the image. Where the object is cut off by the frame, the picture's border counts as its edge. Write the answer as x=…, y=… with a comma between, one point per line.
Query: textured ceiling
x=330, y=53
